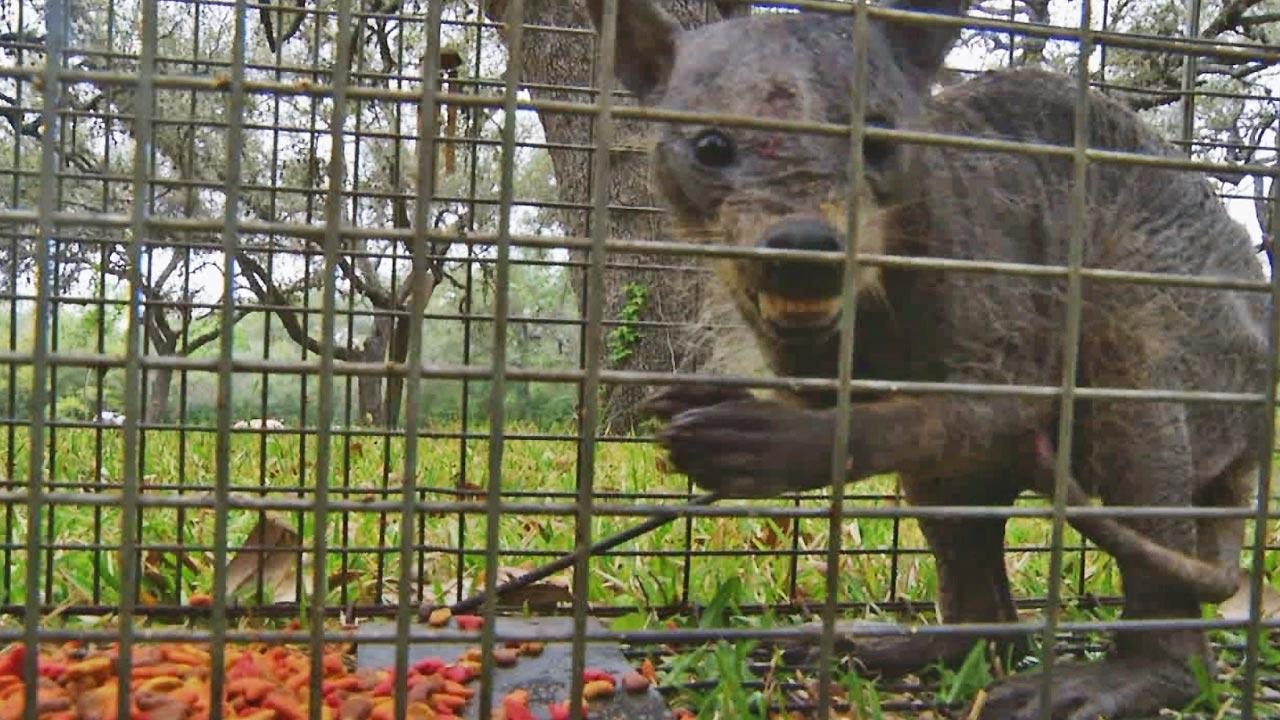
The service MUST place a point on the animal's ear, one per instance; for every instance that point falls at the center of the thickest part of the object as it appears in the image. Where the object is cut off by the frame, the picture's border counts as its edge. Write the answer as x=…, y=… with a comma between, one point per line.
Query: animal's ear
x=646, y=44
x=921, y=49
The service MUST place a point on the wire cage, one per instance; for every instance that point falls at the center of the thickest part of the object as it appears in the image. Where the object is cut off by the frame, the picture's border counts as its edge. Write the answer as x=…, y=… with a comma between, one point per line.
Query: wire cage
x=316, y=314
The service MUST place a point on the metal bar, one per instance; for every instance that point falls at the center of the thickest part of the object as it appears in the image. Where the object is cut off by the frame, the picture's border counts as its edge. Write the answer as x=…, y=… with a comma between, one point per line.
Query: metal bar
x=674, y=637
x=1070, y=355
x=245, y=502
x=130, y=515
x=596, y=548
x=420, y=277
x=634, y=377
x=1190, y=71
x=333, y=221
x=226, y=348
x=660, y=247
x=1257, y=569
x=498, y=367
x=51, y=76
x=593, y=350
x=844, y=368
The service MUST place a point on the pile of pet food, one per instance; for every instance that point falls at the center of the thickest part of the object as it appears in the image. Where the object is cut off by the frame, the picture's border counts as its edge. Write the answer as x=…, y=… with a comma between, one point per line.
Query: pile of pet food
x=170, y=681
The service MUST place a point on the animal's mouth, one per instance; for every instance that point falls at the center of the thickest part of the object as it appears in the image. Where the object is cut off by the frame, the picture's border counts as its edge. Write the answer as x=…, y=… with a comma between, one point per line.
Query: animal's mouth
x=792, y=316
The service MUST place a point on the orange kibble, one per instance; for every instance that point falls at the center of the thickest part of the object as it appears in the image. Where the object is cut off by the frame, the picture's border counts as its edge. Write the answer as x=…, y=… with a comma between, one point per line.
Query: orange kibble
x=333, y=664
x=382, y=711
x=253, y=689
x=90, y=667
x=597, y=689
x=453, y=702
x=182, y=656
x=355, y=708
x=439, y=617
x=200, y=600
x=162, y=684
x=285, y=705
x=297, y=680
x=456, y=688
x=505, y=657
x=421, y=711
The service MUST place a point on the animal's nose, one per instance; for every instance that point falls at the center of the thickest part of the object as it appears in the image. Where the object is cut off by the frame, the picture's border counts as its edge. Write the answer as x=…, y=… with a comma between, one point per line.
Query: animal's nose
x=802, y=278
x=801, y=234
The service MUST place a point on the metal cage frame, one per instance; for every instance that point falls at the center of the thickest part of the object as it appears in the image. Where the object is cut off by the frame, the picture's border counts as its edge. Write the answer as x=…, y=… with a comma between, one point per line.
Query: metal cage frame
x=324, y=505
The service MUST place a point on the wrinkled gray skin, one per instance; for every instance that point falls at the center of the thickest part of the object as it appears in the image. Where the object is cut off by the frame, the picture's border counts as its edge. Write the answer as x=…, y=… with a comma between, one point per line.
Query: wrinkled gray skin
x=964, y=327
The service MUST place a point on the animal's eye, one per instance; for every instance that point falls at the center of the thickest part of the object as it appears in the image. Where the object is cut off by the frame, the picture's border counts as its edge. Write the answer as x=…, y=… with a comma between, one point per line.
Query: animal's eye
x=713, y=148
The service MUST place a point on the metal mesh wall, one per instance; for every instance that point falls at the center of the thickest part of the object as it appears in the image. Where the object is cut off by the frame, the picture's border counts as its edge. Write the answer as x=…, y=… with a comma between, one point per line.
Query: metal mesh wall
x=291, y=334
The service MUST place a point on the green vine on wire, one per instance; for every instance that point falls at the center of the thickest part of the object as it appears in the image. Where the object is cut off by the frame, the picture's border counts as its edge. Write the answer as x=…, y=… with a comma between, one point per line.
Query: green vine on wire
x=624, y=338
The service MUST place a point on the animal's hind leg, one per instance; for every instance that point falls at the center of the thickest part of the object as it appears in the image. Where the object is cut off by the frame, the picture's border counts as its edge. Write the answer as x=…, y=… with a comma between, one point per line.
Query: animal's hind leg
x=972, y=582
x=1220, y=539
x=1141, y=457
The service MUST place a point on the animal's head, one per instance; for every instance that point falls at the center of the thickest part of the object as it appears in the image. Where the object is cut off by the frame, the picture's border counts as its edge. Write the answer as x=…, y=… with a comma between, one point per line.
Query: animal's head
x=778, y=189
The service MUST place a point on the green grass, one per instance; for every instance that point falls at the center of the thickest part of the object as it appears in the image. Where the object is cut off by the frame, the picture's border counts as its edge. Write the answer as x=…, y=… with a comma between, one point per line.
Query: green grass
x=731, y=574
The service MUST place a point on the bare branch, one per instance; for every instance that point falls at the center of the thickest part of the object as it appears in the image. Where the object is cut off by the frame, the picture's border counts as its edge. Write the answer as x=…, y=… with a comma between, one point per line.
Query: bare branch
x=260, y=284
x=1229, y=17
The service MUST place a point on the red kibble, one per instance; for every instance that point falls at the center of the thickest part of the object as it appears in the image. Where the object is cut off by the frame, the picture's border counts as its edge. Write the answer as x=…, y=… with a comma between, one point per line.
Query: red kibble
x=386, y=687
x=429, y=665
x=596, y=674
x=469, y=622
x=11, y=662
x=458, y=673
x=244, y=667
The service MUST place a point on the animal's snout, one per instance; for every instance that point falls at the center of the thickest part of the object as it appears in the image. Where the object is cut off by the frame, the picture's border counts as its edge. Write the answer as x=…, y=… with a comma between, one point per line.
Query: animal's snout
x=802, y=278
x=801, y=234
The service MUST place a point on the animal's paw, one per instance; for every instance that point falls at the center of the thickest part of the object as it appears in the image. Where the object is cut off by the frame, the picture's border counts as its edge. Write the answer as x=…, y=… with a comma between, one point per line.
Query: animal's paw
x=666, y=404
x=1111, y=689
x=751, y=448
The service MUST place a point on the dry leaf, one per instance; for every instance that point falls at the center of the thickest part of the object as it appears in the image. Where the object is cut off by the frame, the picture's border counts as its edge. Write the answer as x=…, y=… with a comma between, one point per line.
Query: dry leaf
x=1236, y=607
x=343, y=577
x=544, y=594
x=278, y=566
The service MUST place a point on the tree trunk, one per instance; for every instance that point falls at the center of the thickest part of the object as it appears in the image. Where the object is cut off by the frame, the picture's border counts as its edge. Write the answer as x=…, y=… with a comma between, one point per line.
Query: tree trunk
x=672, y=293
x=158, y=400
x=395, y=384
x=163, y=342
x=369, y=398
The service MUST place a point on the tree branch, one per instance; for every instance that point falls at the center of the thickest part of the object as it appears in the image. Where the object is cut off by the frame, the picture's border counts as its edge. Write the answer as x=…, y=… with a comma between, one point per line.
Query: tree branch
x=1229, y=17
x=260, y=283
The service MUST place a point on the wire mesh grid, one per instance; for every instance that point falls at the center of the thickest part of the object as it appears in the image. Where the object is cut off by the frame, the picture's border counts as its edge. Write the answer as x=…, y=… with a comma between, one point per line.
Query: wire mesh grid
x=295, y=335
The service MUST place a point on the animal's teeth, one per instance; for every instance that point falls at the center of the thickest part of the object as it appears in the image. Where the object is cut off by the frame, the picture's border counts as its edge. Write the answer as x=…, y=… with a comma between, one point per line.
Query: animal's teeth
x=776, y=305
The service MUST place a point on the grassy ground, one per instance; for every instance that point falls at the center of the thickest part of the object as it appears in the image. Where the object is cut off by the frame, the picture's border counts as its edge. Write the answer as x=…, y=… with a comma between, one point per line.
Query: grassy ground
x=723, y=566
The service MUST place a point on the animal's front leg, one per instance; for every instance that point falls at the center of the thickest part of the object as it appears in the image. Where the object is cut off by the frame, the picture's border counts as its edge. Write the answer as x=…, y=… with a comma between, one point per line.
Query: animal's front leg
x=752, y=447
x=761, y=448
